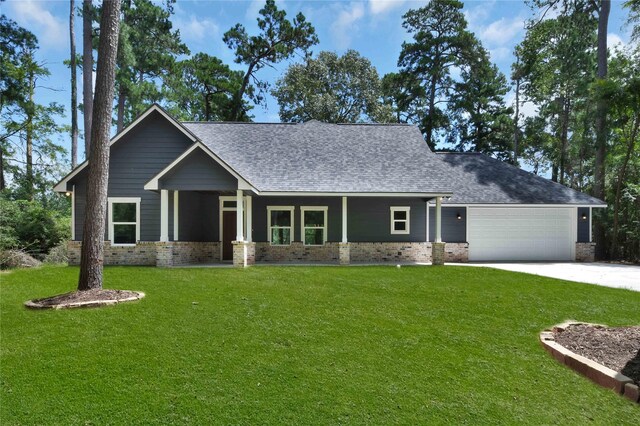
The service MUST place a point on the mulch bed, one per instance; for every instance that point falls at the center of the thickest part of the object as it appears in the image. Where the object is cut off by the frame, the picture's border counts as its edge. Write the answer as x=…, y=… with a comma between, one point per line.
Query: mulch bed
x=617, y=348
x=85, y=298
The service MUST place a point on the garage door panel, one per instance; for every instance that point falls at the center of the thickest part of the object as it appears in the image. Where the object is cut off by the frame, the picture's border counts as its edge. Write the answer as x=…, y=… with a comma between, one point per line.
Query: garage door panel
x=497, y=234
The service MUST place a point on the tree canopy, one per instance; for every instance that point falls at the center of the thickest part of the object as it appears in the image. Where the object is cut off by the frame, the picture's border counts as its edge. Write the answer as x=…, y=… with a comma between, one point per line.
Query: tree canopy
x=332, y=88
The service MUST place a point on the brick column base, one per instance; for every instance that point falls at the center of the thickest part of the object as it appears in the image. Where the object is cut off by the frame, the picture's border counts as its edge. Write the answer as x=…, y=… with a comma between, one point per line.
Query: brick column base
x=345, y=253
x=244, y=254
x=164, y=254
x=437, y=253
x=585, y=252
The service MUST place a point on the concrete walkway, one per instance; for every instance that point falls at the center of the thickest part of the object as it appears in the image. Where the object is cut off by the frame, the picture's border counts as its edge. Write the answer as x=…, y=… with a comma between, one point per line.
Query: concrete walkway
x=605, y=274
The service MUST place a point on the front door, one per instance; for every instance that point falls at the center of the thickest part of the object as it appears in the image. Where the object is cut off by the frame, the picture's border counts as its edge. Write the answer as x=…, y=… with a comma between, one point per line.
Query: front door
x=228, y=233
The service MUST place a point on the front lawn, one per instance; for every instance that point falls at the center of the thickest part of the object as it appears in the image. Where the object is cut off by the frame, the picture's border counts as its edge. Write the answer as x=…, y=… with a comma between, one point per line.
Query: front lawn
x=303, y=345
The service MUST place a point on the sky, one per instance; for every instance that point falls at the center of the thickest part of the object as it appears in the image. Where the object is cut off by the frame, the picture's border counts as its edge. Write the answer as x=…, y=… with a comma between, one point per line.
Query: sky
x=372, y=27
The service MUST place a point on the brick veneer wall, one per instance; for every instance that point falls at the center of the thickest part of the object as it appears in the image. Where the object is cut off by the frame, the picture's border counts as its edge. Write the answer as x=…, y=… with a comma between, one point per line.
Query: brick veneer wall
x=143, y=253
x=390, y=252
x=585, y=252
x=297, y=252
x=181, y=253
x=456, y=252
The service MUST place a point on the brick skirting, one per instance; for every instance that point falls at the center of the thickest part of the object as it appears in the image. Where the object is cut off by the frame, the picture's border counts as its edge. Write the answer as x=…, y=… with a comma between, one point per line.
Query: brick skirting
x=180, y=253
x=297, y=252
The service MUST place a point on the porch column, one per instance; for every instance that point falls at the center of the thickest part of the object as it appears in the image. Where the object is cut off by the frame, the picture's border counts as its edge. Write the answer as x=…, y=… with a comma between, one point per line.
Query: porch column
x=239, y=216
x=249, y=220
x=437, y=248
x=344, y=246
x=344, y=219
x=164, y=215
x=176, y=209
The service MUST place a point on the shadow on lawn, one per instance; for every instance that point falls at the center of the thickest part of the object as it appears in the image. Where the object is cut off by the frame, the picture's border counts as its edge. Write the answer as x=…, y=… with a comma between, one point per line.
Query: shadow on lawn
x=632, y=369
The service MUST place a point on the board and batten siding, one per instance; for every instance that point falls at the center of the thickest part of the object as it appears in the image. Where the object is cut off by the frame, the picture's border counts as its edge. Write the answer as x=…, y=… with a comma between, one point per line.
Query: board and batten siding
x=454, y=230
x=260, y=223
x=583, y=225
x=198, y=172
x=142, y=153
x=369, y=219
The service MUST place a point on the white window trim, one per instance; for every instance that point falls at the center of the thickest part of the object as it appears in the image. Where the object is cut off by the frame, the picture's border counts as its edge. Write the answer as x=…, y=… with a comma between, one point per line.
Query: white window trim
x=118, y=200
x=291, y=209
x=407, y=220
x=325, y=228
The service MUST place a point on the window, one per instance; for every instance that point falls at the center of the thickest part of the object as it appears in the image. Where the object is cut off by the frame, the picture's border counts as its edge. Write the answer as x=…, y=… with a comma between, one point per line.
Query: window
x=314, y=225
x=400, y=220
x=280, y=224
x=124, y=220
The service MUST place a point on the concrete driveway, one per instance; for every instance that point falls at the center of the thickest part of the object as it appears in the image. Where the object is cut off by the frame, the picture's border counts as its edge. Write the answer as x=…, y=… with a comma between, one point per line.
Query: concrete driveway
x=605, y=274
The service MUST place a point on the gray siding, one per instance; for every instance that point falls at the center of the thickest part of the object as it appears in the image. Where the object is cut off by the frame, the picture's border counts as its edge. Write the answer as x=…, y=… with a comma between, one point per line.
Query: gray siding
x=583, y=225
x=199, y=172
x=453, y=230
x=369, y=219
x=135, y=159
x=334, y=215
x=199, y=216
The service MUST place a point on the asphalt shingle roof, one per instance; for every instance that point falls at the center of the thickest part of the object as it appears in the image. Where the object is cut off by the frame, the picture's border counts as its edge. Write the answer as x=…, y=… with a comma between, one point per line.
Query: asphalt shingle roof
x=479, y=179
x=322, y=157
x=343, y=158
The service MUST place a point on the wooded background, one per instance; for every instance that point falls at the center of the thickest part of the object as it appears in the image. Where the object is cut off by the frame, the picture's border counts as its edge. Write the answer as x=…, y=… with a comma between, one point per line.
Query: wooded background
x=583, y=135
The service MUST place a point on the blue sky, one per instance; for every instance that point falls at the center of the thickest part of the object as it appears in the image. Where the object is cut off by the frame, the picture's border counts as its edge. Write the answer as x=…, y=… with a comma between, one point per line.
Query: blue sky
x=372, y=27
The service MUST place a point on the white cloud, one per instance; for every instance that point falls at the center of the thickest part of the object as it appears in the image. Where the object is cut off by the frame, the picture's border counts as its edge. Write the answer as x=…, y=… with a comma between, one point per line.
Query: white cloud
x=195, y=28
x=50, y=30
x=345, y=25
x=475, y=16
x=502, y=31
x=614, y=42
x=381, y=6
x=500, y=53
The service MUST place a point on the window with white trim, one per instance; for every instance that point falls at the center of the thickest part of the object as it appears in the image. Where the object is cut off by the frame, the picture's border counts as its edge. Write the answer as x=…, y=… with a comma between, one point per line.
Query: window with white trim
x=314, y=225
x=124, y=220
x=400, y=220
x=280, y=225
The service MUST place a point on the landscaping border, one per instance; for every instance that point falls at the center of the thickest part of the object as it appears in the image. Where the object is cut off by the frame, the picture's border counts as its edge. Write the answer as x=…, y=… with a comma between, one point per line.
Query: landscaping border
x=32, y=304
x=596, y=372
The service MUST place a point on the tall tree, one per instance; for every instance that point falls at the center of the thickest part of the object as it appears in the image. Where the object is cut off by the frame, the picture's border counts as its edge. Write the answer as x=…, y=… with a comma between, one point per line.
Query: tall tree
x=74, y=86
x=482, y=121
x=92, y=252
x=87, y=72
x=27, y=151
x=278, y=40
x=555, y=69
x=204, y=89
x=440, y=40
x=404, y=94
x=147, y=52
x=332, y=88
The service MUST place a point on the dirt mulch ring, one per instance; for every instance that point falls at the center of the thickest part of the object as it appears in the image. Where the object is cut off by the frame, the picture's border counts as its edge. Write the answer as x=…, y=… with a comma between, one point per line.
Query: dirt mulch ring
x=617, y=348
x=85, y=299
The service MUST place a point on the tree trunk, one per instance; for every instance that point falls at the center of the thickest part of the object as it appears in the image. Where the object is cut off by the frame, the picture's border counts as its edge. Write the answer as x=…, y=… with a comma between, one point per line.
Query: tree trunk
x=564, y=137
x=621, y=178
x=74, y=88
x=601, y=124
x=29, y=136
x=92, y=253
x=432, y=103
x=2, y=184
x=516, y=127
x=245, y=83
x=120, y=117
x=87, y=73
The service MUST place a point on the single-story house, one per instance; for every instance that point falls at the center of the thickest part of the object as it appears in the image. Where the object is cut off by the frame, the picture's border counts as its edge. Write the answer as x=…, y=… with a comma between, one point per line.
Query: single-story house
x=206, y=192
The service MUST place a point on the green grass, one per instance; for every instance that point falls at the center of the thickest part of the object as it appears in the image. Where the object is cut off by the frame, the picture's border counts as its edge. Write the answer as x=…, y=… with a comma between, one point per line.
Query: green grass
x=301, y=345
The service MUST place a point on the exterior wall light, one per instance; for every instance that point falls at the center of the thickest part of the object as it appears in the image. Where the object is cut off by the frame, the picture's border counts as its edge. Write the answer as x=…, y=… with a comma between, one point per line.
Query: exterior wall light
x=68, y=194
x=459, y=217
x=584, y=216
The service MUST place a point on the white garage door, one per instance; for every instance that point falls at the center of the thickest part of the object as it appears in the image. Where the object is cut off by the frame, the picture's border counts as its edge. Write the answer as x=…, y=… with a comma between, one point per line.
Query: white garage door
x=541, y=233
